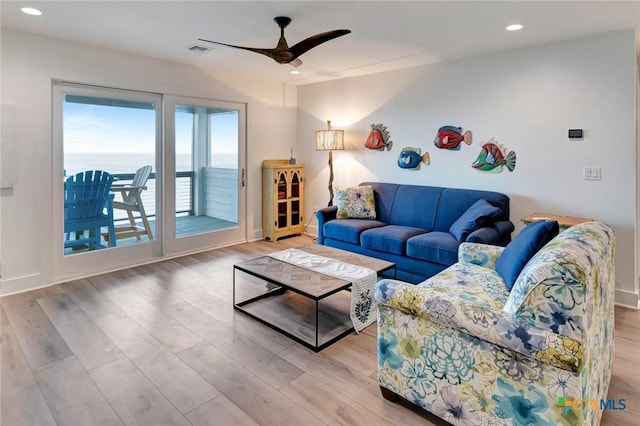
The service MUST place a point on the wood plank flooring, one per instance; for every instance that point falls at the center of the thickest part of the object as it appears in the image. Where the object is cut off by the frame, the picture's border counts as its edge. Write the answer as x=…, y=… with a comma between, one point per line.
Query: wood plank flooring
x=161, y=345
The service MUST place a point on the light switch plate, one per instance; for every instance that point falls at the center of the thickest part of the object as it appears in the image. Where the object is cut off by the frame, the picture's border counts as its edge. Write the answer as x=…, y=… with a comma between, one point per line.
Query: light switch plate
x=591, y=173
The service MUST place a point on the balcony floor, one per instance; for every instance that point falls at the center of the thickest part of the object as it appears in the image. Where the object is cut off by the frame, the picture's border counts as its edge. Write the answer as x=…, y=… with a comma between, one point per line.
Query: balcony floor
x=185, y=225
x=191, y=225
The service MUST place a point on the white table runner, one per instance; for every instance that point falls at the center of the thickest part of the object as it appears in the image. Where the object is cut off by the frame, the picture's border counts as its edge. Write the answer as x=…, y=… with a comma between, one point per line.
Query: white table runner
x=363, y=281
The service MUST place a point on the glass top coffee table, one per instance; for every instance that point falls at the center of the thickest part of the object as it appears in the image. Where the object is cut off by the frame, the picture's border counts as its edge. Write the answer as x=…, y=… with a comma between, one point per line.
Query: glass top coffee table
x=308, y=307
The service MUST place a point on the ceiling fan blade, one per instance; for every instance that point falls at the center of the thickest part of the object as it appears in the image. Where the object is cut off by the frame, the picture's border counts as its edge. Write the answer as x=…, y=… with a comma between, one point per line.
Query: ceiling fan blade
x=282, y=53
x=313, y=41
x=266, y=52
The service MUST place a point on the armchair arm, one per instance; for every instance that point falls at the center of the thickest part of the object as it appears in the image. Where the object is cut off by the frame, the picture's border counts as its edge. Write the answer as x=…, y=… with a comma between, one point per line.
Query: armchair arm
x=324, y=215
x=479, y=254
x=124, y=187
x=481, y=321
x=495, y=233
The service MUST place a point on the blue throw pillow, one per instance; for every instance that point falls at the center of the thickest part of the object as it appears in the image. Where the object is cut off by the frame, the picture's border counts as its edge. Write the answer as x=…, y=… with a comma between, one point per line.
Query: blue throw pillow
x=527, y=243
x=475, y=217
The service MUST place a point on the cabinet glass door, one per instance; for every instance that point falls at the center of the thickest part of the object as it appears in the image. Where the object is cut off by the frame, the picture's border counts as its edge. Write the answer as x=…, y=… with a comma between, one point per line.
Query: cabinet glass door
x=282, y=214
x=295, y=185
x=295, y=212
x=282, y=186
x=296, y=208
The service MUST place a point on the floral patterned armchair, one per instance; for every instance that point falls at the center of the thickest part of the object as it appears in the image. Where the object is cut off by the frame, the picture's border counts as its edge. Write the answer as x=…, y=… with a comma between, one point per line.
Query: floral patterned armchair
x=464, y=348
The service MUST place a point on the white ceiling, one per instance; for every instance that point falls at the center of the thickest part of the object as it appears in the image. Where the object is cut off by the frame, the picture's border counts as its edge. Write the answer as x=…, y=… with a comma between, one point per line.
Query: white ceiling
x=385, y=34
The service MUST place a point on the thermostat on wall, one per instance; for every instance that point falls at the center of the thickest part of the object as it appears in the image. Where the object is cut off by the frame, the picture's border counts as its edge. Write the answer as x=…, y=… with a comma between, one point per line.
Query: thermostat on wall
x=575, y=133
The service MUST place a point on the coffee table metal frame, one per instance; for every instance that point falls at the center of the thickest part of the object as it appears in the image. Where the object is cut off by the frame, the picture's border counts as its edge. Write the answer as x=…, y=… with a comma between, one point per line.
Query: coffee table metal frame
x=281, y=288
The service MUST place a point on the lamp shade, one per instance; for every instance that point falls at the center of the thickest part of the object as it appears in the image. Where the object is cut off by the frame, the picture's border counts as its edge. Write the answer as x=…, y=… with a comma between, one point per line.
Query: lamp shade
x=329, y=140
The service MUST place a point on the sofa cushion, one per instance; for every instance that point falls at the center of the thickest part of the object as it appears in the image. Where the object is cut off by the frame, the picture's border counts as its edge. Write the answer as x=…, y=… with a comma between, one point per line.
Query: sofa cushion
x=415, y=206
x=355, y=202
x=384, y=195
x=495, y=233
x=476, y=216
x=348, y=230
x=390, y=238
x=440, y=247
x=518, y=252
x=454, y=202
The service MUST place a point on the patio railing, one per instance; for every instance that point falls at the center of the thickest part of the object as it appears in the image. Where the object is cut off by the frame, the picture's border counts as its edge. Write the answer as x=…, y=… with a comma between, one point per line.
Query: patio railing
x=219, y=196
x=184, y=194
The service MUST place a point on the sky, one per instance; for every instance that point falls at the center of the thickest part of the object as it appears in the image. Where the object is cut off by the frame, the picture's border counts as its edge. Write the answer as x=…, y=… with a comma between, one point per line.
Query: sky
x=107, y=129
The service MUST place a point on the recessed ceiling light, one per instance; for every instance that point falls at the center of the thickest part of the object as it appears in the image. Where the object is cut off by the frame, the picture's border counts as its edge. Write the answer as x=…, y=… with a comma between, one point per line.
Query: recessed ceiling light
x=294, y=72
x=31, y=11
x=514, y=27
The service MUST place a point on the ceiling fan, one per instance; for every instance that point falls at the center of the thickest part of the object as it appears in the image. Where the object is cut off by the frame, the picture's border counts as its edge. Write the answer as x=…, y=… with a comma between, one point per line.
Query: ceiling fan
x=282, y=53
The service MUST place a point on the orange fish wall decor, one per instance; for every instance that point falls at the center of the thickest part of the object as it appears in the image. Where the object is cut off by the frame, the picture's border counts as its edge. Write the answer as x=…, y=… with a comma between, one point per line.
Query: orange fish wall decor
x=378, y=138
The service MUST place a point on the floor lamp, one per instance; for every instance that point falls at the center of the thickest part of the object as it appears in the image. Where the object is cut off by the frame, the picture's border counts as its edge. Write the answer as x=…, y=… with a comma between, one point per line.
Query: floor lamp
x=330, y=140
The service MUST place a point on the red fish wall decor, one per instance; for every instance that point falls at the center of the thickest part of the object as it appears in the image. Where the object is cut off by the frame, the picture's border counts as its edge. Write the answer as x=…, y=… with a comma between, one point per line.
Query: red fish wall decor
x=450, y=137
x=378, y=138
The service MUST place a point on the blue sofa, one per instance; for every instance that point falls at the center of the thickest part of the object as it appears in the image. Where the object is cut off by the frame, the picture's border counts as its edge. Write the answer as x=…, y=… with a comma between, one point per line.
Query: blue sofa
x=412, y=225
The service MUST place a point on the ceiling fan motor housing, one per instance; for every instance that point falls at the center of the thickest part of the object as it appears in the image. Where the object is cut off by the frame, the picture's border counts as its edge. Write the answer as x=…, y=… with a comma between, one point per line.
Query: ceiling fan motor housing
x=282, y=21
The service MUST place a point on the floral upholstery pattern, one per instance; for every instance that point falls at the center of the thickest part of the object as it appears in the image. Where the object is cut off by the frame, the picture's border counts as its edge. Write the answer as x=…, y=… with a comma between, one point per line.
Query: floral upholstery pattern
x=463, y=347
x=355, y=202
x=479, y=254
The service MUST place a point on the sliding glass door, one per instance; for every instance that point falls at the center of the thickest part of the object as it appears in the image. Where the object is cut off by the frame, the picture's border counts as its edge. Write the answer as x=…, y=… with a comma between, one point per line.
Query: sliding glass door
x=125, y=192
x=106, y=182
x=205, y=147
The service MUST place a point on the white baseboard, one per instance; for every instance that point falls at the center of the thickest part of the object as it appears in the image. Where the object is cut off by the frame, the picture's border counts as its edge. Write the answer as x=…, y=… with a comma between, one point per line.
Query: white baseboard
x=312, y=230
x=627, y=299
x=255, y=236
x=21, y=284
x=34, y=281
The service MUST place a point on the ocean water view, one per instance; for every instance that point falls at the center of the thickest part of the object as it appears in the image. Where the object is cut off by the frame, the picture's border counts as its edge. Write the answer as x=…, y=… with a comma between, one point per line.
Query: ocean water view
x=126, y=163
x=118, y=163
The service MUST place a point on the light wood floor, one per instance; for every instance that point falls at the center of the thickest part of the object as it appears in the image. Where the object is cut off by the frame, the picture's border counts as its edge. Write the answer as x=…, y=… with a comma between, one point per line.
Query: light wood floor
x=161, y=345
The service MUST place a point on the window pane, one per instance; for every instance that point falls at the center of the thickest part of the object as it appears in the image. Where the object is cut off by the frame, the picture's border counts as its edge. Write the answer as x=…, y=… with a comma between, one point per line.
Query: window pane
x=223, y=139
x=185, y=121
x=116, y=136
x=206, y=169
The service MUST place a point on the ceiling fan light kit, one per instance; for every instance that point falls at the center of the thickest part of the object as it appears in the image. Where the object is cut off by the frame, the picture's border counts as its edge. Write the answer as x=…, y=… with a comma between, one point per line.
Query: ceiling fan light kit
x=282, y=53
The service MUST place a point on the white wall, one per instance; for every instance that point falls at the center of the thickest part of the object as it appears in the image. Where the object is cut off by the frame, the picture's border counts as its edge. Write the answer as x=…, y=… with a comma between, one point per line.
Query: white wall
x=28, y=64
x=527, y=99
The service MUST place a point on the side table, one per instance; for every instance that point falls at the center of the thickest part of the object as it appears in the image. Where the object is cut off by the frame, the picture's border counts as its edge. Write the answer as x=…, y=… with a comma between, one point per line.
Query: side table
x=564, y=221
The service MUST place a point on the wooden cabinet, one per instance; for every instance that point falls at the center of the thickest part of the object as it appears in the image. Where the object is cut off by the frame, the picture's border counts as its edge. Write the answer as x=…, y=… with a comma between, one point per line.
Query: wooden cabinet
x=282, y=199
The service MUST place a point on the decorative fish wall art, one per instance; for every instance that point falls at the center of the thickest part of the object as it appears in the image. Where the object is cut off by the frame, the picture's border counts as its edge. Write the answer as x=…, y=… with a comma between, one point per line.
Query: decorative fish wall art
x=492, y=157
x=379, y=138
x=411, y=158
x=450, y=137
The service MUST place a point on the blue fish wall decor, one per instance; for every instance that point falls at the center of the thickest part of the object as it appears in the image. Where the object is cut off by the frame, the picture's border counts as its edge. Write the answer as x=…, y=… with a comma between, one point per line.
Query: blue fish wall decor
x=411, y=158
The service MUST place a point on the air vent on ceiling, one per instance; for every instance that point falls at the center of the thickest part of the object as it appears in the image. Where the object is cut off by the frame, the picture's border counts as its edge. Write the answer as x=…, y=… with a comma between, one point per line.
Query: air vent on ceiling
x=199, y=49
